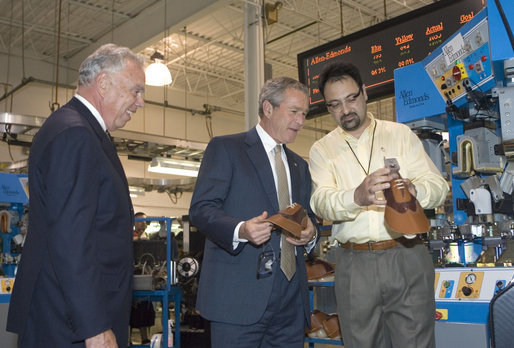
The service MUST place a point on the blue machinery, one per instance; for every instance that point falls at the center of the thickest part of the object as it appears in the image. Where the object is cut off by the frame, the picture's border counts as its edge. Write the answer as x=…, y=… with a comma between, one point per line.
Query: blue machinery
x=13, y=227
x=170, y=291
x=466, y=88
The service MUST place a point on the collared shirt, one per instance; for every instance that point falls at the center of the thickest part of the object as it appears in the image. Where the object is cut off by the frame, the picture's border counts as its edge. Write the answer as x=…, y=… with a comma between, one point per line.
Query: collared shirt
x=336, y=173
x=93, y=110
x=269, y=145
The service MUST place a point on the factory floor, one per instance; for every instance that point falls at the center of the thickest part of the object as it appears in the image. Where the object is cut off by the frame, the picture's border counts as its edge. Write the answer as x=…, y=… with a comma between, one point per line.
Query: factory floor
x=190, y=338
x=190, y=335
x=135, y=335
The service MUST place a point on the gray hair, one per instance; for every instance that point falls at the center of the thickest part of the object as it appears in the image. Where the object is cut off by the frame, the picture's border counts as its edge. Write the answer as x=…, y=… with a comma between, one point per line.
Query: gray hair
x=274, y=89
x=108, y=58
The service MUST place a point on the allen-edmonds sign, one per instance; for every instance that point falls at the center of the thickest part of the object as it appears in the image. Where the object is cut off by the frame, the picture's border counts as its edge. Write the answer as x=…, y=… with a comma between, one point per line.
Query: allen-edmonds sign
x=14, y=188
x=379, y=50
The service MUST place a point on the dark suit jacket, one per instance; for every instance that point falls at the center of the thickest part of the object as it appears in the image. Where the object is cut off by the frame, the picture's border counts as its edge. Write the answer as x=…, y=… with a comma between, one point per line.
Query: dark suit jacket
x=75, y=276
x=235, y=183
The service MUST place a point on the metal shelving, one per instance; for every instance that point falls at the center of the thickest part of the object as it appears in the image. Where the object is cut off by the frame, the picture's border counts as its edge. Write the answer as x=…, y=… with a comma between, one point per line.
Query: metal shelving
x=170, y=291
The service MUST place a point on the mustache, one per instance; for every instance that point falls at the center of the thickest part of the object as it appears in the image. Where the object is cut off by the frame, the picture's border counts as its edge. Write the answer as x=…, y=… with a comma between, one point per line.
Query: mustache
x=348, y=114
x=352, y=124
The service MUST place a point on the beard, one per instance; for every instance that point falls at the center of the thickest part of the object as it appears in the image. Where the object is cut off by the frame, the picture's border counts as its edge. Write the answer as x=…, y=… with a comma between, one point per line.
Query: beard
x=351, y=124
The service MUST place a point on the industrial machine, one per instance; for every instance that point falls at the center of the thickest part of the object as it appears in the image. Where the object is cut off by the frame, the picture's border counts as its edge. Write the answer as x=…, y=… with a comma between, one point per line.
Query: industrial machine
x=13, y=224
x=13, y=228
x=465, y=89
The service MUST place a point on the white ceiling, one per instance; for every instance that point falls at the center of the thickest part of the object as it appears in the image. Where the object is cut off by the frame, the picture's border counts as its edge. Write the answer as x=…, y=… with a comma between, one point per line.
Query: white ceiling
x=204, y=40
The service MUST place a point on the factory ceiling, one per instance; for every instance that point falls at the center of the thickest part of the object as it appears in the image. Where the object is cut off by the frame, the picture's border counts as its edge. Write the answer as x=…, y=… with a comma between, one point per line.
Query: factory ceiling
x=202, y=40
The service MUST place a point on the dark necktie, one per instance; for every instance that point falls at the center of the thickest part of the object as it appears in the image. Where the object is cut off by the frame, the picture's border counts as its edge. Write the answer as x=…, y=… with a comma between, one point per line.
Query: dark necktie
x=108, y=135
x=287, y=256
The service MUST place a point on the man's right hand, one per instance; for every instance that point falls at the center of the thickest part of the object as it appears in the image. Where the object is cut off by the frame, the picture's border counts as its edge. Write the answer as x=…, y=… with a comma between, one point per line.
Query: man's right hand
x=366, y=193
x=256, y=230
x=104, y=340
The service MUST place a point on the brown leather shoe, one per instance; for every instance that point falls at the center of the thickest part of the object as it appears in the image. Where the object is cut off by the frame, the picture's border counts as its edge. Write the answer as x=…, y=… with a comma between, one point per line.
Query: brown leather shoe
x=317, y=330
x=319, y=270
x=403, y=212
x=293, y=219
x=331, y=326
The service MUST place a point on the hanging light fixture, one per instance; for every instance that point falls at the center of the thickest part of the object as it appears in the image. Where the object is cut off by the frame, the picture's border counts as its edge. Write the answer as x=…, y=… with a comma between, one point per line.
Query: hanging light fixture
x=157, y=74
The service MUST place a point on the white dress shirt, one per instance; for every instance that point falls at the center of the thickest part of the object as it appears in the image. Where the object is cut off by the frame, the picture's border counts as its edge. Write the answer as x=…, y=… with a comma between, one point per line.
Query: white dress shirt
x=93, y=110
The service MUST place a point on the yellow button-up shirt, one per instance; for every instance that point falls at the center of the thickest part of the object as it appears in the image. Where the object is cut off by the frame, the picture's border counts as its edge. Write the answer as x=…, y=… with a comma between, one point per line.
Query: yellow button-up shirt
x=336, y=173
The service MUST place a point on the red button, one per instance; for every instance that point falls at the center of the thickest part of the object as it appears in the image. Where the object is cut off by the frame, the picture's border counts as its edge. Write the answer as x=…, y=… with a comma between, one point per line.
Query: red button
x=483, y=58
x=442, y=78
x=470, y=67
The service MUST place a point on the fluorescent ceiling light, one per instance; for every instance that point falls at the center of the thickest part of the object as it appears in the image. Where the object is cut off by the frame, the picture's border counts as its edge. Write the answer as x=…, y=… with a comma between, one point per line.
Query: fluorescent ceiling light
x=136, y=191
x=174, y=166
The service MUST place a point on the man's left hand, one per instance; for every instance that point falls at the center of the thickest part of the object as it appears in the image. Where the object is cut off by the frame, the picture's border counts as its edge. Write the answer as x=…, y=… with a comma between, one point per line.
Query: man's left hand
x=307, y=235
x=410, y=187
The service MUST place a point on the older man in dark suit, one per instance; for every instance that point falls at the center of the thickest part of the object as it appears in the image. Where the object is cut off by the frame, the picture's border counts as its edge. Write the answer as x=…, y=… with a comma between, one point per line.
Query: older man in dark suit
x=74, y=282
x=245, y=178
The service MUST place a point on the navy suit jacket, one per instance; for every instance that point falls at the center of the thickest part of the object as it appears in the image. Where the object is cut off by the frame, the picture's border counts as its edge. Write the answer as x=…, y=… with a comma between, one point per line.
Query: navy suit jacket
x=235, y=183
x=74, y=280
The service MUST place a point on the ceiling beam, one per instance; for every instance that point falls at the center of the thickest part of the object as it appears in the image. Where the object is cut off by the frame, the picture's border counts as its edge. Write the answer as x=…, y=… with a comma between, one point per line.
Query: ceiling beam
x=106, y=9
x=43, y=30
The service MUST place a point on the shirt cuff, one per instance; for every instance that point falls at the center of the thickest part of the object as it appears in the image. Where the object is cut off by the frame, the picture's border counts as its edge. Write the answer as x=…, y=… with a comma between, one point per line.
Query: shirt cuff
x=235, y=239
x=421, y=195
x=308, y=247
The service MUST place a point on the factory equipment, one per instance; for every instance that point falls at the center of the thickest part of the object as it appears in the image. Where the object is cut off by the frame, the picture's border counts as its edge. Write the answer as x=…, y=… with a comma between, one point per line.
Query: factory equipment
x=462, y=298
x=166, y=292
x=13, y=221
x=13, y=228
x=465, y=87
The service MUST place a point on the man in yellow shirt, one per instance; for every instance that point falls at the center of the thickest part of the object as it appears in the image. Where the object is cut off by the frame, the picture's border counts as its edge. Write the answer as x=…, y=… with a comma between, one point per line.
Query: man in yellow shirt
x=384, y=281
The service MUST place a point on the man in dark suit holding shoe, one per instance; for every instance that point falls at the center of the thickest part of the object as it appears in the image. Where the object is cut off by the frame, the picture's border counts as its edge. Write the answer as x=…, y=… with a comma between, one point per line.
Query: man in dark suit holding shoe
x=73, y=287
x=253, y=295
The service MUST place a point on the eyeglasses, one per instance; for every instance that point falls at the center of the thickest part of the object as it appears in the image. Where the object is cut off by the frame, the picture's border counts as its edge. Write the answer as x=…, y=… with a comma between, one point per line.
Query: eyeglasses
x=337, y=105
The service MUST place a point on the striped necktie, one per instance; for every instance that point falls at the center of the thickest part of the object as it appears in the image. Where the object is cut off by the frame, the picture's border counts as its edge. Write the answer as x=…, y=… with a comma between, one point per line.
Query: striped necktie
x=287, y=255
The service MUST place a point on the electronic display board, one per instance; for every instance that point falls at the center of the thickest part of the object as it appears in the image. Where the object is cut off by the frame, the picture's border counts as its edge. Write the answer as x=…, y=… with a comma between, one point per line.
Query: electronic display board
x=392, y=44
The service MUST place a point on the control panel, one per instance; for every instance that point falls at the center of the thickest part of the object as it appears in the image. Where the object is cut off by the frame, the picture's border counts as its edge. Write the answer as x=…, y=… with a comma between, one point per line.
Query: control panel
x=463, y=63
x=462, y=295
x=446, y=289
x=471, y=283
x=6, y=285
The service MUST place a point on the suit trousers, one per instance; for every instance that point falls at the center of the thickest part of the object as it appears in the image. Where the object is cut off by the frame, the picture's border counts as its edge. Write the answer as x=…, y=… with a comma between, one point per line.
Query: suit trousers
x=281, y=326
x=47, y=326
x=385, y=298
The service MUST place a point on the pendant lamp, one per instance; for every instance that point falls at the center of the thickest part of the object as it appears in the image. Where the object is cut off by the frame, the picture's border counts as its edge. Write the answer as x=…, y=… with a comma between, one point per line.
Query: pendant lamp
x=157, y=74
